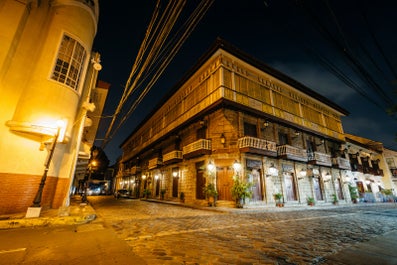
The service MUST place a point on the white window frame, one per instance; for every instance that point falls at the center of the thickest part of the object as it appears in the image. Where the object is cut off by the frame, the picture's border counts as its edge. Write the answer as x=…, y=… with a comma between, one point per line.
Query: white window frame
x=69, y=63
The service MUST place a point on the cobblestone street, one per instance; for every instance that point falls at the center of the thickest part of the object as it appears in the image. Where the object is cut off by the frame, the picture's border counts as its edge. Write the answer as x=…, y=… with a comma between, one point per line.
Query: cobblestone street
x=169, y=234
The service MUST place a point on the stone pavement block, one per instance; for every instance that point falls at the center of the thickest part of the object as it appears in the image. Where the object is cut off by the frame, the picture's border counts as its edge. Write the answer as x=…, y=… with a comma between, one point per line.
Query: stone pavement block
x=359, y=257
x=381, y=250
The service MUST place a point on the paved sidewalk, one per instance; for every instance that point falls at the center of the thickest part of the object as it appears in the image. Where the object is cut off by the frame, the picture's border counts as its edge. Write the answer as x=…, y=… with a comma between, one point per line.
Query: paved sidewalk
x=76, y=213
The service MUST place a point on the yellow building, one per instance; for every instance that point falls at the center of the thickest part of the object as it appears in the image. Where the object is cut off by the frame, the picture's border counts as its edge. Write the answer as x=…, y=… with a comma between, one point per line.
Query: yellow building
x=98, y=98
x=286, y=138
x=46, y=74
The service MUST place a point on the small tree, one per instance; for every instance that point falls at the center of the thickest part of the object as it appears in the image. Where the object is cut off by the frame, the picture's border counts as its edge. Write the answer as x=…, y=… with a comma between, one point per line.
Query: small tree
x=146, y=193
x=334, y=199
x=353, y=193
x=240, y=191
x=162, y=193
x=182, y=197
x=278, y=197
x=210, y=193
x=310, y=201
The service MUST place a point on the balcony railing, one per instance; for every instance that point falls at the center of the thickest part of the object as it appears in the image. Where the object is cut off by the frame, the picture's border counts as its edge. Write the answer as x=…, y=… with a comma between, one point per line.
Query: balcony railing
x=367, y=170
x=172, y=157
x=155, y=162
x=197, y=148
x=356, y=167
x=291, y=152
x=373, y=171
x=248, y=144
x=135, y=169
x=317, y=158
x=377, y=172
x=341, y=163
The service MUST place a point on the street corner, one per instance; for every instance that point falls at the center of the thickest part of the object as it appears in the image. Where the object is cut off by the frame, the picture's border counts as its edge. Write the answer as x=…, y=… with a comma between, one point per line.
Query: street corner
x=24, y=222
x=81, y=215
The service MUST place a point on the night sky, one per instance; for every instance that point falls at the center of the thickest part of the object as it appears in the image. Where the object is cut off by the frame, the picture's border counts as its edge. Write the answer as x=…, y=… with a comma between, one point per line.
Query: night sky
x=344, y=50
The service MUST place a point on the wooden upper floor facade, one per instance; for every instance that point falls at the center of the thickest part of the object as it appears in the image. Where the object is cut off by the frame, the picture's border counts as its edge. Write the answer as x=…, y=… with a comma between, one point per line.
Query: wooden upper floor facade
x=226, y=77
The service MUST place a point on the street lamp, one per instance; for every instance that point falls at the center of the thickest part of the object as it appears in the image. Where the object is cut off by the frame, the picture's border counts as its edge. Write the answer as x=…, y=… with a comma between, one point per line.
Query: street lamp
x=58, y=135
x=272, y=170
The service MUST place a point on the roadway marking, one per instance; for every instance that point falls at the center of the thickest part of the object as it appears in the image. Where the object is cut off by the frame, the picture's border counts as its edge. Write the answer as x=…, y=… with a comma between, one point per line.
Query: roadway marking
x=11, y=250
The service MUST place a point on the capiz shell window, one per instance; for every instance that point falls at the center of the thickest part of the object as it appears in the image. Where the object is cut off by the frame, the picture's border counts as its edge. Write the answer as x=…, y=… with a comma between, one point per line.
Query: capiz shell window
x=69, y=62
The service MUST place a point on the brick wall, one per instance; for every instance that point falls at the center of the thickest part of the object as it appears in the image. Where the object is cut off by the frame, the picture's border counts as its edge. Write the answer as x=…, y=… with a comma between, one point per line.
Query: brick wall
x=19, y=190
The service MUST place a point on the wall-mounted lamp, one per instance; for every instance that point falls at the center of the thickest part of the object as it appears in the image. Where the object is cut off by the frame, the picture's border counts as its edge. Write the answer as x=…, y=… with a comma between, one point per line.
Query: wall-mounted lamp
x=266, y=124
x=175, y=174
x=321, y=142
x=302, y=173
x=223, y=139
x=297, y=133
x=346, y=179
x=210, y=166
x=203, y=123
x=236, y=166
x=327, y=177
x=272, y=170
x=143, y=176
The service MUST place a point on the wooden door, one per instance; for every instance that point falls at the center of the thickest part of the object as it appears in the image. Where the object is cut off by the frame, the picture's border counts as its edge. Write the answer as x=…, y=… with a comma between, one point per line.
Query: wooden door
x=157, y=187
x=257, y=194
x=317, y=189
x=200, y=181
x=338, y=189
x=175, y=182
x=225, y=183
x=290, y=186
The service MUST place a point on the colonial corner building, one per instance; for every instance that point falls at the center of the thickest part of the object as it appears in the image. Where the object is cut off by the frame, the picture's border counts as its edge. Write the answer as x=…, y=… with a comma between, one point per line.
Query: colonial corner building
x=47, y=74
x=232, y=110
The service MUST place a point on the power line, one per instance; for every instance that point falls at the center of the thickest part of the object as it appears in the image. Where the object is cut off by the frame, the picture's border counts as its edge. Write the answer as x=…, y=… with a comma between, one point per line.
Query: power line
x=347, y=54
x=158, y=54
x=171, y=50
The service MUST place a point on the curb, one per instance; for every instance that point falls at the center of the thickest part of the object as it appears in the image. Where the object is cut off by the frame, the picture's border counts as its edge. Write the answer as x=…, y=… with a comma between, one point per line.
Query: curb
x=80, y=215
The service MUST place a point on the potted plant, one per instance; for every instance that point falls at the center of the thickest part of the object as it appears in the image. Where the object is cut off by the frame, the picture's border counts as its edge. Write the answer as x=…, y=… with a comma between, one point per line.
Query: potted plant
x=334, y=199
x=211, y=194
x=353, y=193
x=182, y=197
x=388, y=195
x=278, y=197
x=310, y=201
x=162, y=193
x=146, y=193
x=240, y=191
